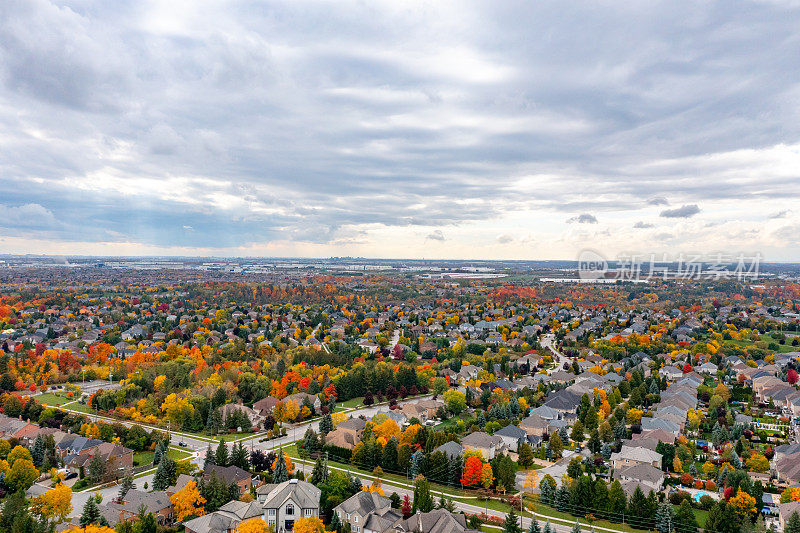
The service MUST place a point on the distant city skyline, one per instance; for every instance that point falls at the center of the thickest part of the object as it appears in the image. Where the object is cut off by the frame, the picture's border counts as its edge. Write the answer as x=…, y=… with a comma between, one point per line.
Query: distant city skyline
x=445, y=130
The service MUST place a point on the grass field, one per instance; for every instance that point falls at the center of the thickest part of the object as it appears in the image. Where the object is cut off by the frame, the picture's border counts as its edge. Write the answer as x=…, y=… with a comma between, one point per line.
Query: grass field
x=227, y=437
x=352, y=402
x=50, y=399
x=83, y=408
x=146, y=457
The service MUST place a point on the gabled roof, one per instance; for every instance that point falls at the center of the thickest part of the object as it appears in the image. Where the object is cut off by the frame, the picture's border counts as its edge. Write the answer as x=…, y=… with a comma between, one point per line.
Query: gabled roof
x=303, y=493
x=451, y=449
x=511, y=431
x=364, y=502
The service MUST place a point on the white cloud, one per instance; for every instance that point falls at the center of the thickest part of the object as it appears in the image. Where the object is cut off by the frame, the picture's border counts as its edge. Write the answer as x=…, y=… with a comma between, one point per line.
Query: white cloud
x=302, y=129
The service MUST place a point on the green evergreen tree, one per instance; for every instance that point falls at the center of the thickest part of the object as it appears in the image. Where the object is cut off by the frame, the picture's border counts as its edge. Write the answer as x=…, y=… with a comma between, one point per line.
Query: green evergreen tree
x=547, y=527
x=686, y=522
x=38, y=451
x=166, y=474
x=91, y=513
x=576, y=528
x=280, y=474
x=547, y=489
x=147, y=524
x=665, y=518
x=423, y=501
x=240, y=457
x=125, y=486
x=793, y=524
x=511, y=525
x=310, y=441
x=326, y=424
x=320, y=473
x=389, y=456
x=534, y=526
x=221, y=457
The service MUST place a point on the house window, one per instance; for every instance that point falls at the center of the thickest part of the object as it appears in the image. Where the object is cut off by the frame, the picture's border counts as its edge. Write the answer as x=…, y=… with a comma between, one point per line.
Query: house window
x=290, y=509
x=307, y=512
x=272, y=512
x=355, y=519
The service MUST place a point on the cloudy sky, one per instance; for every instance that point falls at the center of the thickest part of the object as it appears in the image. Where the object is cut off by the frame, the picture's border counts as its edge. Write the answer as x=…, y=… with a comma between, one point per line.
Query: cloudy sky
x=399, y=129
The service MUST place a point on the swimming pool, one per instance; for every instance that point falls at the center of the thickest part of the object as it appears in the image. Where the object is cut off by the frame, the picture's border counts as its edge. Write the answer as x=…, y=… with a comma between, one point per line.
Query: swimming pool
x=696, y=497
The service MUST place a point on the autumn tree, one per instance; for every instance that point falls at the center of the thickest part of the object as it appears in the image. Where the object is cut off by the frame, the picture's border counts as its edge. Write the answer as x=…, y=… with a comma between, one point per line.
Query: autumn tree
x=310, y=524
x=188, y=502
x=487, y=476
x=758, y=463
x=744, y=505
x=472, y=471
x=254, y=525
x=54, y=505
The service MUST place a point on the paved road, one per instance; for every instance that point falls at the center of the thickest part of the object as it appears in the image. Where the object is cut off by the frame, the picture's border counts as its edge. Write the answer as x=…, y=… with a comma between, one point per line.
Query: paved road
x=390, y=486
x=198, y=446
x=548, y=342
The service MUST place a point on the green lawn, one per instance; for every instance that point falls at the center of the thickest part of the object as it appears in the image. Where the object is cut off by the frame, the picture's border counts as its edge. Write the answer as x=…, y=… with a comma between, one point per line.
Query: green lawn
x=51, y=399
x=142, y=458
x=700, y=515
x=292, y=451
x=83, y=408
x=549, y=511
x=178, y=455
x=352, y=402
x=227, y=437
x=146, y=457
x=450, y=423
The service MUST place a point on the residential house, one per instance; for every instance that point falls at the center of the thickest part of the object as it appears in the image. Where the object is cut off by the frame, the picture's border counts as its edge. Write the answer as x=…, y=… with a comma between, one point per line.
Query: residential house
x=633, y=455
x=252, y=415
x=286, y=502
x=512, y=436
x=225, y=519
x=347, y=433
x=436, y=521
x=643, y=474
x=230, y=475
x=355, y=510
x=157, y=502
x=487, y=445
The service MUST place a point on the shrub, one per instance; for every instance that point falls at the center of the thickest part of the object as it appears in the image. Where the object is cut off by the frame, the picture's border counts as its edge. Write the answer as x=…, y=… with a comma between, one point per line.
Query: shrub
x=676, y=498
x=706, y=502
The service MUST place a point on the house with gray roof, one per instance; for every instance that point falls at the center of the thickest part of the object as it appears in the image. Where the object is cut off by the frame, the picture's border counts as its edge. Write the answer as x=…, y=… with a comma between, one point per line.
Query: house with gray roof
x=451, y=449
x=512, y=436
x=436, y=521
x=225, y=519
x=286, y=502
x=357, y=508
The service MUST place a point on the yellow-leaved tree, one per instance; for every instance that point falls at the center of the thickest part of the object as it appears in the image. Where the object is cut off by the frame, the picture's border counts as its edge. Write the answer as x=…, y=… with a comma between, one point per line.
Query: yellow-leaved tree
x=487, y=476
x=188, y=502
x=744, y=505
x=311, y=524
x=91, y=529
x=253, y=525
x=54, y=505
